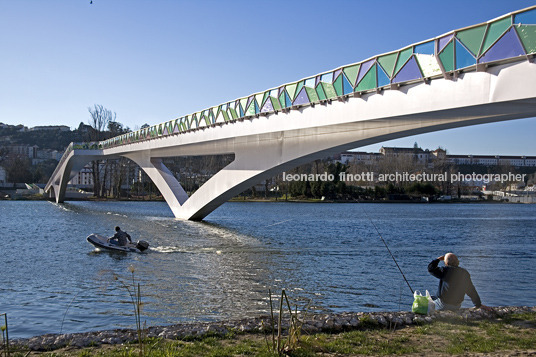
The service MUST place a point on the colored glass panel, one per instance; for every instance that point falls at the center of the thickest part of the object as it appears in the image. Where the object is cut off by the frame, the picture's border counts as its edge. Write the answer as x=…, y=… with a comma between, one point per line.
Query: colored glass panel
x=365, y=66
x=403, y=57
x=291, y=90
x=301, y=98
x=495, y=30
x=310, y=83
x=527, y=34
x=251, y=109
x=447, y=57
x=327, y=78
x=383, y=79
x=409, y=72
x=527, y=17
x=250, y=99
x=425, y=48
x=463, y=57
x=329, y=90
x=268, y=107
x=351, y=73
x=320, y=92
x=311, y=93
x=369, y=80
x=166, y=132
x=336, y=73
x=244, y=104
x=233, y=113
x=429, y=65
x=338, y=85
x=508, y=46
x=472, y=38
x=285, y=100
x=275, y=103
x=264, y=97
x=299, y=87
x=347, y=88
x=443, y=41
x=388, y=62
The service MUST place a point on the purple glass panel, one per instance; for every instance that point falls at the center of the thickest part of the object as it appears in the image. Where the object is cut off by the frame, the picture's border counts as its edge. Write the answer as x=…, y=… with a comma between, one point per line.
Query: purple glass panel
x=301, y=98
x=410, y=71
x=268, y=107
x=508, y=46
x=165, y=131
x=365, y=66
x=176, y=128
x=336, y=74
x=443, y=41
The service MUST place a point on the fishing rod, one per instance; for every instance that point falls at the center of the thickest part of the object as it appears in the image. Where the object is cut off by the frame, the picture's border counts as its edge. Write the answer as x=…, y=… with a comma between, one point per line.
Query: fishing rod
x=389, y=250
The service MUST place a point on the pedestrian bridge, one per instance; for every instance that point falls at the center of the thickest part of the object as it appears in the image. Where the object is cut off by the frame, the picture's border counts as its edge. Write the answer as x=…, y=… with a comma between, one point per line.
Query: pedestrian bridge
x=479, y=74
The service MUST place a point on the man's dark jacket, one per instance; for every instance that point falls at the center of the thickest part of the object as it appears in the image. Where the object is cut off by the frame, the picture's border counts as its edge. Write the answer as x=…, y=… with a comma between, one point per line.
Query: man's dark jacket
x=454, y=283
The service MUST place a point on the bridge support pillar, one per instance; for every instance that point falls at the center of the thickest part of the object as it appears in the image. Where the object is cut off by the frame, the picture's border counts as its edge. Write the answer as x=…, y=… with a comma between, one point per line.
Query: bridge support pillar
x=168, y=185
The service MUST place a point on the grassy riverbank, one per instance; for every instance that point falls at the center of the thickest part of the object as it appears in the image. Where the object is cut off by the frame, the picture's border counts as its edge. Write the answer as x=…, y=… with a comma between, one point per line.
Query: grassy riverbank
x=514, y=335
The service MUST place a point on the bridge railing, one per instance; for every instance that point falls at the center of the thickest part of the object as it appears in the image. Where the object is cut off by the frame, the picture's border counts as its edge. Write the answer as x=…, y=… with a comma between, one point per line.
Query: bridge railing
x=511, y=37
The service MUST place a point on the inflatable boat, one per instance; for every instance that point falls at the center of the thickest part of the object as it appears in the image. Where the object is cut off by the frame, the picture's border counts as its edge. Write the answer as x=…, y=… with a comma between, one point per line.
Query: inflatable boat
x=102, y=243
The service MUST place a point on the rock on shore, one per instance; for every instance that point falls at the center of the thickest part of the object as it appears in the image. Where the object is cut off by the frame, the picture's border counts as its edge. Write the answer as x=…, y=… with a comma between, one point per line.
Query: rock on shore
x=311, y=323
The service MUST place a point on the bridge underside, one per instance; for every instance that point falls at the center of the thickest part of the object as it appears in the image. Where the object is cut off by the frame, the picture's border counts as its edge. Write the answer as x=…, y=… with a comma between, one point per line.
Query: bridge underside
x=267, y=145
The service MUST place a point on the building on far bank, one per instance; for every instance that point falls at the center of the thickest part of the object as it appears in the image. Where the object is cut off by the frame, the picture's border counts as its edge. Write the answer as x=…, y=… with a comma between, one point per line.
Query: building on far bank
x=50, y=128
x=428, y=157
x=3, y=176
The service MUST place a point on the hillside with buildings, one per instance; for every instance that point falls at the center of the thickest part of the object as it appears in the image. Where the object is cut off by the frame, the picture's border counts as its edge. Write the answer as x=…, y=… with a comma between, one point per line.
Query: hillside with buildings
x=29, y=156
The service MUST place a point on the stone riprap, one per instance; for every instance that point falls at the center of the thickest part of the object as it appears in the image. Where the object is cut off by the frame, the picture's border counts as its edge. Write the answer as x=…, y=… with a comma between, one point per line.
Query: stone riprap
x=311, y=323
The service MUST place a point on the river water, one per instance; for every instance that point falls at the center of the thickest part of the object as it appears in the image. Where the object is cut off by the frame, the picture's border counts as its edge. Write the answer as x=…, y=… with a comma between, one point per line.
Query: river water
x=326, y=256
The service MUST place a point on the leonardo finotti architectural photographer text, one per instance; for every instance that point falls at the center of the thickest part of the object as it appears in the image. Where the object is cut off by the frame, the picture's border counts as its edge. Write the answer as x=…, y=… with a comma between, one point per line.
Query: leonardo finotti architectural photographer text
x=407, y=177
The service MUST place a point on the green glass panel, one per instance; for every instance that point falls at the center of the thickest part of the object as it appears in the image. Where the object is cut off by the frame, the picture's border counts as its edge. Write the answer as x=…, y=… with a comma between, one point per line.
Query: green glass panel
x=251, y=109
x=282, y=100
x=495, y=30
x=313, y=97
x=320, y=92
x=266, y=95
x=447, y=57
x=472, y=38
x=388, y=63
x=351, y=73
x=299, y=88
x=291, y=90
x=233, y=113
x=329, y=90
x=369, y=80
x=403, y=56
x=275, y=104
x=338, y=85
x=527, y=34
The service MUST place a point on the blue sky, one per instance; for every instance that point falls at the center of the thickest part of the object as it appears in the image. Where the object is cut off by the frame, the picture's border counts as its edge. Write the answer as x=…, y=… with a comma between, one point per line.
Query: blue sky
x=152, y=61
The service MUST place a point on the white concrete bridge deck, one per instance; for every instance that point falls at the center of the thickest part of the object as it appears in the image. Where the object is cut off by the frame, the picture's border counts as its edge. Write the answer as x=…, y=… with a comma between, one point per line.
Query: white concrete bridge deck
x=480, y=74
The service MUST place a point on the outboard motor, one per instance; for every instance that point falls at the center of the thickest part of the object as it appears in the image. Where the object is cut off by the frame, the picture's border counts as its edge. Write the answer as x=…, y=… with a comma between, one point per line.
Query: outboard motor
x=142, y=245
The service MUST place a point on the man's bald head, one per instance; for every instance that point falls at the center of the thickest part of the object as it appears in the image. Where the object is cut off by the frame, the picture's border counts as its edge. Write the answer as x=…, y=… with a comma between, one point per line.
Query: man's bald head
x=451, y=260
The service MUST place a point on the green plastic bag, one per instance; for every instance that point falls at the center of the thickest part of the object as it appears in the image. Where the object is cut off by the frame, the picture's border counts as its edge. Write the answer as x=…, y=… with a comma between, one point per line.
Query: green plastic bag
x=420, y=303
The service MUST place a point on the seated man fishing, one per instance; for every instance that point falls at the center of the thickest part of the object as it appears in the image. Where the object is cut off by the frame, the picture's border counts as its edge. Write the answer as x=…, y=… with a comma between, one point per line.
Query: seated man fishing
x=120, y=238
x=454, y=283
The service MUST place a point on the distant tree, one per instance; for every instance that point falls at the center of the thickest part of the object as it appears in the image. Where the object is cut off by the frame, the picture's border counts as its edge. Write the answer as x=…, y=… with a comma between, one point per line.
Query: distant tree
x=100, y=118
